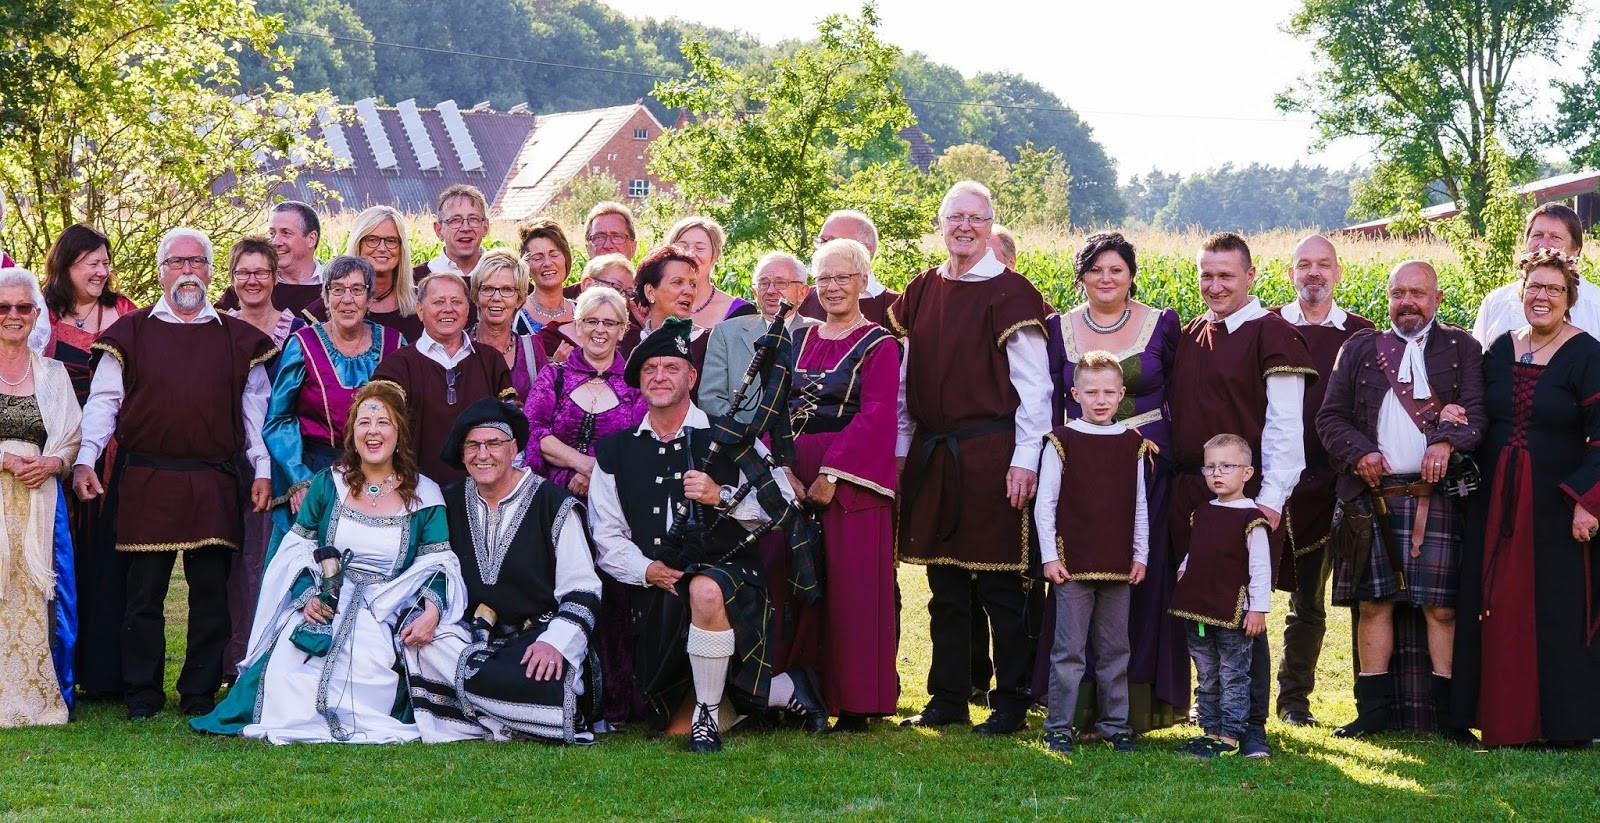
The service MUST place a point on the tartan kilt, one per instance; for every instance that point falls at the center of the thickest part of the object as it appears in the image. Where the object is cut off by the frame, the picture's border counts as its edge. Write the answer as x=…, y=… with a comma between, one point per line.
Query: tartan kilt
x=1431, y=578
x=744, y=595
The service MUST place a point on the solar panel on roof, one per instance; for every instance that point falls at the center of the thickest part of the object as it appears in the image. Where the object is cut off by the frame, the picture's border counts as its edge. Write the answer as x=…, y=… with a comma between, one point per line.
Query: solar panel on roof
x=377, y=138
x=333, y=133
x=417, y=133
x=460, y=138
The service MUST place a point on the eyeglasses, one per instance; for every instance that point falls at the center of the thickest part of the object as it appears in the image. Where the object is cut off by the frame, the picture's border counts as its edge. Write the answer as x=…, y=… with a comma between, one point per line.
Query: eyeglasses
x=23, y=309
x=475, y=446
x=471, y=221
x=1214, y=469
x=177, y=263
x=497, y=291
x=592, y=323
x=373, y=241
x=612, y=284
x=609, y=238
x=774, y=285
x=249, y=275
x=969, y=219
x=1551, y=289
x=537, y=259
x=337, y=293
x=450, y=376
x=837, y=279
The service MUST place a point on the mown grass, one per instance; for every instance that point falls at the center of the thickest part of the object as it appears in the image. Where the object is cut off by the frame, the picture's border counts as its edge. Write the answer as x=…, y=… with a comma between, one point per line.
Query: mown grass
x=103, y=767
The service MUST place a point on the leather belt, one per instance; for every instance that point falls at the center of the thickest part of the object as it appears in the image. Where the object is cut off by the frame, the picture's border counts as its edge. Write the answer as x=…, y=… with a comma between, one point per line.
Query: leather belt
x=1421, y=490
x=951, y=441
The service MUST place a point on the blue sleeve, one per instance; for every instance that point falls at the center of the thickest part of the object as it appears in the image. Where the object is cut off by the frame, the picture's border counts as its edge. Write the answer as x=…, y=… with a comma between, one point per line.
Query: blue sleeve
x=282, y=429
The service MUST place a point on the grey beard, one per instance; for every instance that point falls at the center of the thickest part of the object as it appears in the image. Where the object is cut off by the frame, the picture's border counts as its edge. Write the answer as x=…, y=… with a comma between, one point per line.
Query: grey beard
x=188, y=301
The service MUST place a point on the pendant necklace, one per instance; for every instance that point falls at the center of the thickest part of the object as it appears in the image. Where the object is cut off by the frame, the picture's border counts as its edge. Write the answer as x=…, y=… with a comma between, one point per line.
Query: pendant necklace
x=377, y=490
x=1527, y=357
x=1111, y=329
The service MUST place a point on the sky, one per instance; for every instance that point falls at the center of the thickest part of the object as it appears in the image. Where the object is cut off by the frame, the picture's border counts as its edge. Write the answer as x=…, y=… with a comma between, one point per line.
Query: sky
x=1171, y=84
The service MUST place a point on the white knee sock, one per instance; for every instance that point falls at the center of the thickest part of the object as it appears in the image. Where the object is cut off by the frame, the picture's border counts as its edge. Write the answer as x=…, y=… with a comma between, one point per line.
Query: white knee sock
x=781, y=691
x=709, y=653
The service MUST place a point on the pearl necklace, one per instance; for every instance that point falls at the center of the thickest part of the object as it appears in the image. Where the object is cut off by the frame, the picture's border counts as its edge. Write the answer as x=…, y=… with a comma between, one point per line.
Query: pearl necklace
x=1088, y=319
x=26, y=371
x=823, y=332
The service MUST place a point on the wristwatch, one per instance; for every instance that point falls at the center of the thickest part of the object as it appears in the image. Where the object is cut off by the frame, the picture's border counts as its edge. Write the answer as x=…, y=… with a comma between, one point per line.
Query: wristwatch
x=725, y=496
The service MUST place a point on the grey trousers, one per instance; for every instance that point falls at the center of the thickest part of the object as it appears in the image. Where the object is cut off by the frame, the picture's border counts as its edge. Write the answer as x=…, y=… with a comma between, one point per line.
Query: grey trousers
x=1098, y=609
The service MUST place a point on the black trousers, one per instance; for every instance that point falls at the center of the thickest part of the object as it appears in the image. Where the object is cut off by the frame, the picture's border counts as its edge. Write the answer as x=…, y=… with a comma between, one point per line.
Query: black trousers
x=1303, y=630
x=950, y=624
x=144, y=640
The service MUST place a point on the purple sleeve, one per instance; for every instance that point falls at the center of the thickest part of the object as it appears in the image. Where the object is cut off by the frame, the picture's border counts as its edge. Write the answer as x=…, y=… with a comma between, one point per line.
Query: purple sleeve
x=863, y=453
x=540, y=409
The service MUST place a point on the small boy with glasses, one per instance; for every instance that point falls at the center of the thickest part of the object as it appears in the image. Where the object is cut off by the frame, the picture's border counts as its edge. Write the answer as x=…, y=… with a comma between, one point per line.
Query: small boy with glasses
x=1224, y=589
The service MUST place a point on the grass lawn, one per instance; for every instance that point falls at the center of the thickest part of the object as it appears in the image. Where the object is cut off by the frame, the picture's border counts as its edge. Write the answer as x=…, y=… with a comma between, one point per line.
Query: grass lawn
x=103, y=767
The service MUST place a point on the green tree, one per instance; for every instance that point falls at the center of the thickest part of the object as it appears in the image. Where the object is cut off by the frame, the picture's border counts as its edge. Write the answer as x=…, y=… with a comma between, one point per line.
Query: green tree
x=1039, y=191
x=348, y=65
x=1257, y=197
x=1146, y=195
x=581, y=195
x=1489, y=252
x=32, y=59
x=972, y=161
x=1429, y=81
x=768, y=150
x=157, y=128
x=1578, y=113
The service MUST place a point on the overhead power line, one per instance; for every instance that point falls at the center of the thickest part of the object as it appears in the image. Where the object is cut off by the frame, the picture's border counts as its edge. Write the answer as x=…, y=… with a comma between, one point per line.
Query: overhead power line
x=650, y=75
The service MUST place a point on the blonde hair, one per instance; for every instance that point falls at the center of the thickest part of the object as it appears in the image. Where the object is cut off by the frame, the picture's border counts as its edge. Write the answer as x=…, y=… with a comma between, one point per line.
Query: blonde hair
x=1097, y=360
x=852, y=252
x=606, y=261
x=712, y=228
x=596, y=297
x=604, y=208
x=495, y=260
x=1232, y=441
x=405, y=286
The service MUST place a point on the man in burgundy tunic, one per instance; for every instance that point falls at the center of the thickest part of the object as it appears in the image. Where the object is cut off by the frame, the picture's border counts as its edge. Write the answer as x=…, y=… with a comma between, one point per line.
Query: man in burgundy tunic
x=184, y=391
x=442, y=373
x=875, y=297
x=1315, y=273
x=974, y=411
x=1243, y=370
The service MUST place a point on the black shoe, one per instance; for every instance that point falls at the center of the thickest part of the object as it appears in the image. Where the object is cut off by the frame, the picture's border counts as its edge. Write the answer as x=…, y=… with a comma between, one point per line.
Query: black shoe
x=932, y=717
x=142, y=711
x=1121, y=742
x=1058, y=742
x=1003, y=721
x=850, y=723
x=1374, y=694
x=704, y=738
x=1298, y=717
x=1445, y=716
x=195, y=705
x=807, y=702
x=979, y=697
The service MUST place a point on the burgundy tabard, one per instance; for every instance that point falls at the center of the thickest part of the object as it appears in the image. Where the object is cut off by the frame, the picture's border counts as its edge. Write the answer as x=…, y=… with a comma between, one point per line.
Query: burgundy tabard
x=1217, y=577
x=429, y=411
x=1095, y=513
x=179, y=428
x=1309, y=515
x=826, y=400
x=1219, y=380
x=954, y=509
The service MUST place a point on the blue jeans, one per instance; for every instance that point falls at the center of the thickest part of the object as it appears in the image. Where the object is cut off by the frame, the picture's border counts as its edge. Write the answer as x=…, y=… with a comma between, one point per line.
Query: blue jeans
x=1222, y=678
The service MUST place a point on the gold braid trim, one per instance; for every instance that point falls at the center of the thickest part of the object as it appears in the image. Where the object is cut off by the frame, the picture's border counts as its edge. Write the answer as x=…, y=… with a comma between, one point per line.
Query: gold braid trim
x=176, y=547
x=1238, y=614
x=1288, y=370
x=1001, y=340
x=270, y=353
x=859, y=481
x=1020, y=566
x=1061, y=450
x=1302, y=552
x=507, y=394
x=894, y=322
x=284, y=498
x=1098, y=576
x=111, y=350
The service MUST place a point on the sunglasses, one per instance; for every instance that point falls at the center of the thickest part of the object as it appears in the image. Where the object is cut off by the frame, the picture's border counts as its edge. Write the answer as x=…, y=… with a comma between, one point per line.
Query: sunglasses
x=450, y=376
x=23, y=309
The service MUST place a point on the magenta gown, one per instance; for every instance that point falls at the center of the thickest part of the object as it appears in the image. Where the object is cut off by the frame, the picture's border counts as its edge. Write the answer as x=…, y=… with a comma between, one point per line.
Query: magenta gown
x=843, y=408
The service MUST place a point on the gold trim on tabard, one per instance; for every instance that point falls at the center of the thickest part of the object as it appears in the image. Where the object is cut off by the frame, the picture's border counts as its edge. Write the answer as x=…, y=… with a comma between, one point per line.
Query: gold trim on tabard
x=859, y=481
x=176, y=547
x=1001, y=341
x=271, y=353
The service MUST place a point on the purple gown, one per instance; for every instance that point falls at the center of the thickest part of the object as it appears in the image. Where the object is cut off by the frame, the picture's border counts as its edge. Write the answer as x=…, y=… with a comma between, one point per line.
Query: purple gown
x=571, y=425
x=853, y=625
x=1158, y=670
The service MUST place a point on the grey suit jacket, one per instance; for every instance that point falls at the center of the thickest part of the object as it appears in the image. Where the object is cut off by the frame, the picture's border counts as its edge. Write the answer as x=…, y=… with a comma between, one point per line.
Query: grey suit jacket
x=728, y=354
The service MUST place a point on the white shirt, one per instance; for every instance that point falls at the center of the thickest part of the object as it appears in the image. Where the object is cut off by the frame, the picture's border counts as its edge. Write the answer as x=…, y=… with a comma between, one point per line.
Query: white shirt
x=574, y=572
x=1283, y=447
x=1400, y=442
x=1044, y=506
x=106, y=393
x=618, y=556
x=1030, y=376
x=1335, y=319
x=435, y=351
x=316, y=276
x=443, y=263
x=1258, y=595
x=874, y=288
x=1501, y=311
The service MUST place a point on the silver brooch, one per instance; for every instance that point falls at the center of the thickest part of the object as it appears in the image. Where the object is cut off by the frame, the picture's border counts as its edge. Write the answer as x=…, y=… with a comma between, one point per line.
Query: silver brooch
x=683, y=346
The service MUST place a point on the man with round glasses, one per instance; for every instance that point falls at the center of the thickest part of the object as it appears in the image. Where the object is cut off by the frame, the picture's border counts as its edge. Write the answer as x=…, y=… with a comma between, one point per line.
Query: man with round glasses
x=461, y=221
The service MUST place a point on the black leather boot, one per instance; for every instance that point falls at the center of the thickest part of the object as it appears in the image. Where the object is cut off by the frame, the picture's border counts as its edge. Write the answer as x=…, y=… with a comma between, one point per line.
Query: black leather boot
x=1448, y=728
x=1374, y=697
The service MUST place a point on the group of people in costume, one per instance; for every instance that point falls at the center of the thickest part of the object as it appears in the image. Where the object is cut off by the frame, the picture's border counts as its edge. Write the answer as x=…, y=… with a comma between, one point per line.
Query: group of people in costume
x=468, y=499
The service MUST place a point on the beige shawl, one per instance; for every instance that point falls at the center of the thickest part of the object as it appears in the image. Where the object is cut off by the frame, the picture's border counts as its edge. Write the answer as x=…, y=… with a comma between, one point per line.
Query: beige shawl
x=63, y=421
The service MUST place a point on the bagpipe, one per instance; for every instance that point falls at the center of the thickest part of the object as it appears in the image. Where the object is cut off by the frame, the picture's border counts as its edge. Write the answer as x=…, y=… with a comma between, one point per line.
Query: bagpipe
x=690, y=541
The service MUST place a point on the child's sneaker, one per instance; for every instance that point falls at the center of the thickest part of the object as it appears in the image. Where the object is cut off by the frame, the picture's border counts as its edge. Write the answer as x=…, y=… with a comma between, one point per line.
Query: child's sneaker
x=1254, y=743
x=1058, y=742
x=1193, y=744
x=1121, y=742
x=1214, y=748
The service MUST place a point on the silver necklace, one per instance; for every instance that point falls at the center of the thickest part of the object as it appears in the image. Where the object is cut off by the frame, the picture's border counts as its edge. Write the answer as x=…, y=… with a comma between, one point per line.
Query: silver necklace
x=846, y=332
x=27, y=370
x=548, y=314
x=1088, y=319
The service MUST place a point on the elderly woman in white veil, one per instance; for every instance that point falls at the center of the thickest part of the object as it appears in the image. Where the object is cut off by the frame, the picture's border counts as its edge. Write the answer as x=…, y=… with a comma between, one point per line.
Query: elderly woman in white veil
x=366, y=568
x=39, y=432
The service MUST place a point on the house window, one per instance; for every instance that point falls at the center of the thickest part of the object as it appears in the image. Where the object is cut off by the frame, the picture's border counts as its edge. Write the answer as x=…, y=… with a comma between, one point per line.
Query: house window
x=638, y=188
x=641, y=134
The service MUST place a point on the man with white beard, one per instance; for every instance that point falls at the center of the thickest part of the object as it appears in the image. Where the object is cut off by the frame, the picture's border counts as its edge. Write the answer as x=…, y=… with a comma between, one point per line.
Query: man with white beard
x=183, y=392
